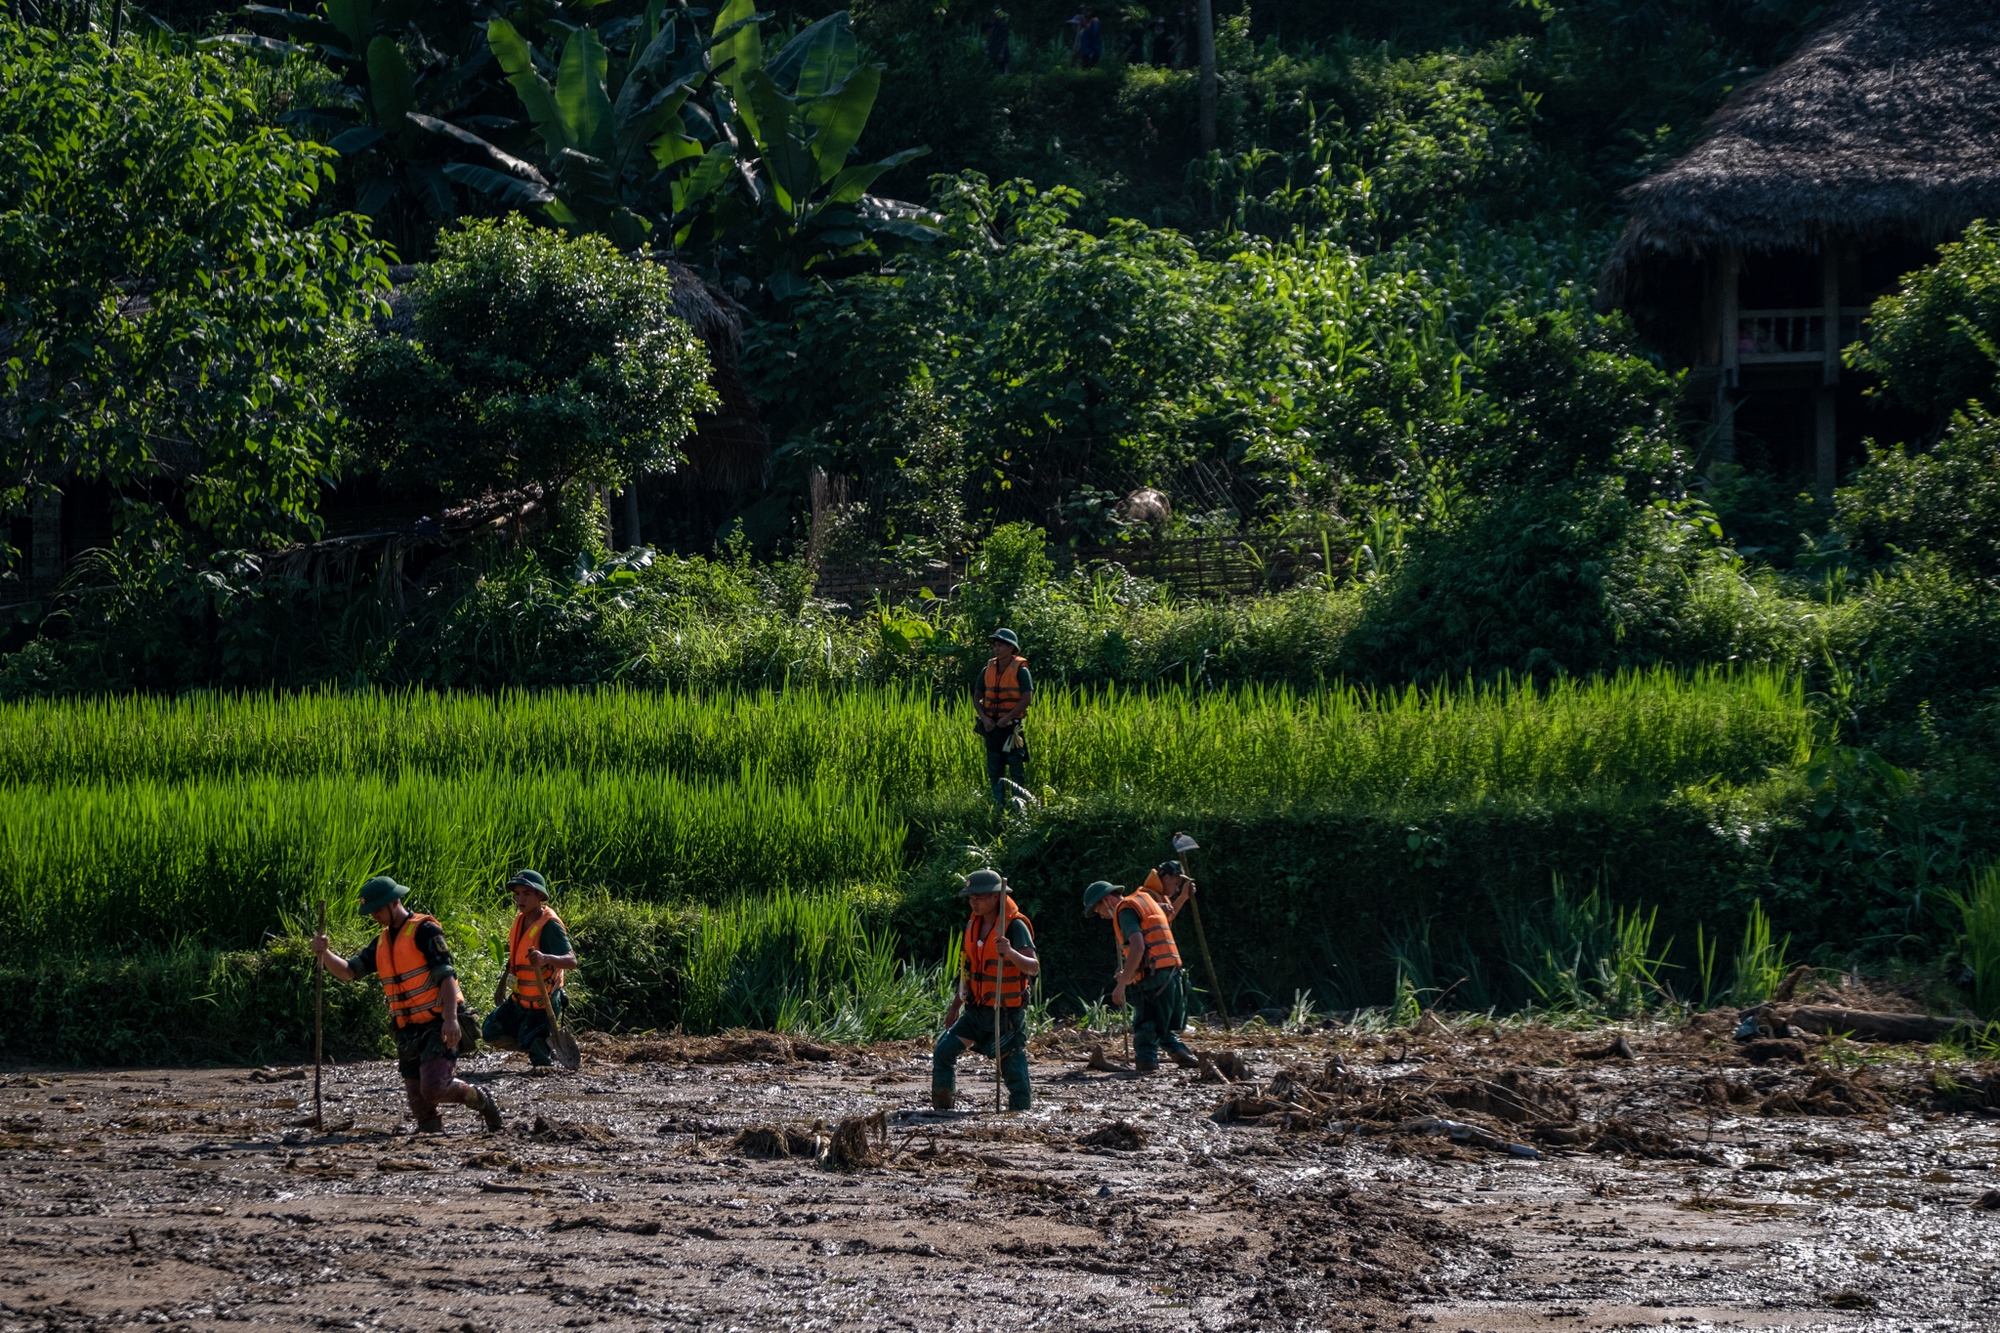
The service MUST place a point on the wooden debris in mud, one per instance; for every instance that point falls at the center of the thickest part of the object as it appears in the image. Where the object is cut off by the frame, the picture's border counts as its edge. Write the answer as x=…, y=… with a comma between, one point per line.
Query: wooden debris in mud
x=858, y=1141
x=1118, y=1136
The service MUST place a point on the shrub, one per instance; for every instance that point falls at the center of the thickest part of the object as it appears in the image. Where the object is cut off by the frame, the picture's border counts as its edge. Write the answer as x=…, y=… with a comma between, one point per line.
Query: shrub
x=1945, y=502
x=1933, y=342
x=538, y=358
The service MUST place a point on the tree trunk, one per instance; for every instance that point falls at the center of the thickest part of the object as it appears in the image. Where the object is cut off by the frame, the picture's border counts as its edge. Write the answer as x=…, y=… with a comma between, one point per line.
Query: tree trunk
x=1205, y=35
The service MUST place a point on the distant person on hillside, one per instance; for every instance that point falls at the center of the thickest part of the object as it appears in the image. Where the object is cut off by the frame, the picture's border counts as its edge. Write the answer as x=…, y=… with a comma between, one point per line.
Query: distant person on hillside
x=998, y=55
x=1074, y=32
x=1001, y=695
x=1090, y=42
x=1135, y=46
x=421, y=987
x=537, y=947
x=1162, y=52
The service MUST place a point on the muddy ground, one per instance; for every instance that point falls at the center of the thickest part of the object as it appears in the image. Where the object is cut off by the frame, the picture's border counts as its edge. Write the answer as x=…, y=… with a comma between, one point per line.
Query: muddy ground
x=1680, y=1187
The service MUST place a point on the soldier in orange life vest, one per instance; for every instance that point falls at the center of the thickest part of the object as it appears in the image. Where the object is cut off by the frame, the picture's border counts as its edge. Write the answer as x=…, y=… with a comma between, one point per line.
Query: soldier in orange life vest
x=537, y=946
x=1001, y=696
x=1153, y=965
x=996, y=928
x=421, y=986
x=1169, y=887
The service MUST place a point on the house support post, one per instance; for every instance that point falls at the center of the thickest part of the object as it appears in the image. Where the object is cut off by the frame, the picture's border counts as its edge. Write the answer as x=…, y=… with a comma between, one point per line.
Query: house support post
x=1825, y=441
x=45, y=539
x=628, y=514
x=1725, y=384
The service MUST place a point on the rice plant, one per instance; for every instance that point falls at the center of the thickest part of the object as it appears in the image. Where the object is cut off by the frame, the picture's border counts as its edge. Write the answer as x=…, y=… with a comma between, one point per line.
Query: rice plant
x=1642, y=733
x=226, y=860
x=1979, y=939
x=1760, y=962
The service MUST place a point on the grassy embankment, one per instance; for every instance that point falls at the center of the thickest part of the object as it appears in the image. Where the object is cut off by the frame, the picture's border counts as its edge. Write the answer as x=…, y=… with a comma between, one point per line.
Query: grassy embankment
x=768, y=858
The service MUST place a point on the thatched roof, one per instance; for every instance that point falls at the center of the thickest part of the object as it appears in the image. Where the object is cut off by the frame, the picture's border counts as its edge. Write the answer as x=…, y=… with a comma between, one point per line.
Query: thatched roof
x=1884, y=124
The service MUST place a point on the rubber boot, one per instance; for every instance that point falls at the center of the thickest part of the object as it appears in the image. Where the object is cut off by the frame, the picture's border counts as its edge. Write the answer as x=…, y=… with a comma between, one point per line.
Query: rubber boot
x=1185, y=1059
x=431, y=1124
x=942, y=1099
x=1147, y=1064
x=488, y=1108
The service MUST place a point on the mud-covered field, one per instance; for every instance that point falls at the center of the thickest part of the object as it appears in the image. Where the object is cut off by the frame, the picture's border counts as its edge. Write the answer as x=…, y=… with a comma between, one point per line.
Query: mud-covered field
x=709, y=1183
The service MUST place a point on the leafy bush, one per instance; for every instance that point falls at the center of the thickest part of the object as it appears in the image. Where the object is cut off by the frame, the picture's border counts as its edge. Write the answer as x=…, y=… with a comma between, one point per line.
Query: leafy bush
x=1936, y=342
x=1570, y=550
x=1945, y=502
x=537, y=359
x=142, y=174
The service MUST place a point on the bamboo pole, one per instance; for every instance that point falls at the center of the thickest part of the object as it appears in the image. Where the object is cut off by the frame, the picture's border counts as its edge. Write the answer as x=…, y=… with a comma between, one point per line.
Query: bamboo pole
x=319, y=1024
x=999, y=1008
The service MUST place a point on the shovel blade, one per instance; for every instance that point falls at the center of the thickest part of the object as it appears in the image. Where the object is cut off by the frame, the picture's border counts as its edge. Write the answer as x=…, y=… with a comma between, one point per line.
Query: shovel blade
x=562, y=1049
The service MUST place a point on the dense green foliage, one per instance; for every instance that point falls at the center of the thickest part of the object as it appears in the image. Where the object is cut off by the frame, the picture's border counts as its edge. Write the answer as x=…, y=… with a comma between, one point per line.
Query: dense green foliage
x=1936, y=343
x=536, y=360
x=1361, y=327
x=165, y=300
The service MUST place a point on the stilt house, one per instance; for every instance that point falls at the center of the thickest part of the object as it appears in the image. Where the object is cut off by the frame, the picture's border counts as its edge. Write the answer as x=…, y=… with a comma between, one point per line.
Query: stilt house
x=1753, y=259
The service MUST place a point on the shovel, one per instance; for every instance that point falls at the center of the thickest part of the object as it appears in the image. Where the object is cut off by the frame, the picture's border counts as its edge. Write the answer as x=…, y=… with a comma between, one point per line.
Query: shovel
x=1184, y=844
x=562, y=1046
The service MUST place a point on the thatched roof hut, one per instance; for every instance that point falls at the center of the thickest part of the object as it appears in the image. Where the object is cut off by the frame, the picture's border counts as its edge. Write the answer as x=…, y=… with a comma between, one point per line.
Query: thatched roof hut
x=1883, y=125
x=1811, y=190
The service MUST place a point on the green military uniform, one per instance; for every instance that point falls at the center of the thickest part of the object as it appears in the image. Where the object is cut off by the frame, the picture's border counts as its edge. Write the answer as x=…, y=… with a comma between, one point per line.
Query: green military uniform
x=1159, y=1004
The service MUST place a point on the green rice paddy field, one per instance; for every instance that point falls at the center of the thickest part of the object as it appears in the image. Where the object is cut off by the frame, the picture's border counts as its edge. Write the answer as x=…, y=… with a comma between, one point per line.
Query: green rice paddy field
x=162, y=846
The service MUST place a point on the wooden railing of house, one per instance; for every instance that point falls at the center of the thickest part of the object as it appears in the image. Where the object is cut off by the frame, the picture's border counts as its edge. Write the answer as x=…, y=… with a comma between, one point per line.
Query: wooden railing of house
x=1778, y=336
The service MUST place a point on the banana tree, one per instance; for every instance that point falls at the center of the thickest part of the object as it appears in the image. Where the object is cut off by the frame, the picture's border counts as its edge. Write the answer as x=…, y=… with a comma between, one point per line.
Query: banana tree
x=798, y=203
x=693, y=142
x=418, y=80
x=608, y=129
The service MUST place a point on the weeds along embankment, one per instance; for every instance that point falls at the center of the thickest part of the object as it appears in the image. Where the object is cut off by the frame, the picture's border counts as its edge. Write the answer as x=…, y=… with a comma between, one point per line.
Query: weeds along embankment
x=178, y=842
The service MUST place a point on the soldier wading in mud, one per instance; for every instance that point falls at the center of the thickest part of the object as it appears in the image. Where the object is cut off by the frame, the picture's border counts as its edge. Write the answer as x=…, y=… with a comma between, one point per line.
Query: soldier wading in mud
x=421, y=986
x=997, y=930
x=537, y=947
x=1152, y=963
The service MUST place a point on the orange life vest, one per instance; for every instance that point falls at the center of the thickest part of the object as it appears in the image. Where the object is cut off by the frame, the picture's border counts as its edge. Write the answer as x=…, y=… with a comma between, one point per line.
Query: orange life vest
x=1002, y=688
x=1156, y=889
x=1155, y=932
x=528, y=977
x=980, y=954
x=406, y=974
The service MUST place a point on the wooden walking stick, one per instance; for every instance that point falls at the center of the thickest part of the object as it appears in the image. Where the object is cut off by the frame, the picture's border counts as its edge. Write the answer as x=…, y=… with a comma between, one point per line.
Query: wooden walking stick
x=319, y=1022
x=1184, y=844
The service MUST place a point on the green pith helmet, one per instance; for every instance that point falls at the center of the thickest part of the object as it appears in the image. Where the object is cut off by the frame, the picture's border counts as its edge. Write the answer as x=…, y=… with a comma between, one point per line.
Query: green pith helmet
x=1170, y=867
x=379, y=892
x=1097, y=893
x=1005, y=636
x=982, y=881
x=531, y=879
